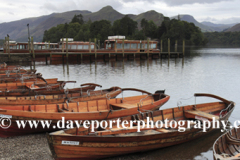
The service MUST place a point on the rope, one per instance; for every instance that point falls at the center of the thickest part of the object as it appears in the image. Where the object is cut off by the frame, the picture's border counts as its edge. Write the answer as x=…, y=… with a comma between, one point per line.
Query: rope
x=179, y=103
x=108, y=114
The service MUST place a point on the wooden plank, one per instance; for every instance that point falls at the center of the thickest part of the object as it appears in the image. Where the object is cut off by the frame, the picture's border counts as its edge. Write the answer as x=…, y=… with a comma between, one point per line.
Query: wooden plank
x=124, y=105
x=194, y=113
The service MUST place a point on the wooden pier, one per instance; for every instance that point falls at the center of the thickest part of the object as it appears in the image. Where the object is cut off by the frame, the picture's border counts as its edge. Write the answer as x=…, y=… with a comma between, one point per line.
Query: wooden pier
x=94, y=54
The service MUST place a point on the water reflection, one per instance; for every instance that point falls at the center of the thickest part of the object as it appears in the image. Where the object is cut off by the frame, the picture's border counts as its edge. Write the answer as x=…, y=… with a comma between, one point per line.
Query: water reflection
x=198, y=149
x=206, y=70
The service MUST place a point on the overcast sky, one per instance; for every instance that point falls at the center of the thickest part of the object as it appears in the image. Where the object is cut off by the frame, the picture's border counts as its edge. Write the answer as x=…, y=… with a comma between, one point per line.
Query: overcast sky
x=216, y=11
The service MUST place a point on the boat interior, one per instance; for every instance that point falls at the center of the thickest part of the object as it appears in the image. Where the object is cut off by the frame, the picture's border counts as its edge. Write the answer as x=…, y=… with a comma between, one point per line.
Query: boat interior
x=103, y=105
x=193, y=113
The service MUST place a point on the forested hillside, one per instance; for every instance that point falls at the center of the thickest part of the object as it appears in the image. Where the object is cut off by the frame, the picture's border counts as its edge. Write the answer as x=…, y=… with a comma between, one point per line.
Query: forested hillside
x=83, y=31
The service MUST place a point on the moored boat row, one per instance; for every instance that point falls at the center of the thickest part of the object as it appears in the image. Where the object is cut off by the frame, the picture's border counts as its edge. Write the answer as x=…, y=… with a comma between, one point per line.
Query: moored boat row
x=38, y=99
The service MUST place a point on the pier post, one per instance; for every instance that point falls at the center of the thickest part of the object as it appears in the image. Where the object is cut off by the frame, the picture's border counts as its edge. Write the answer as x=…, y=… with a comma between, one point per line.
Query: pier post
x=168, y=48
x=34, y=67
x=50, y=58
x=183, y=47
x=32, y=47
x=176, y=45
x=115, y=46
x=8, y=47
x=123, y=48
x=161, y=46
x=67, y=48
x=29, y=48
x=62, y=44
x=46, y=59
x=95, y=49
x=148, y=48
x=89, y=45
x=5, y=45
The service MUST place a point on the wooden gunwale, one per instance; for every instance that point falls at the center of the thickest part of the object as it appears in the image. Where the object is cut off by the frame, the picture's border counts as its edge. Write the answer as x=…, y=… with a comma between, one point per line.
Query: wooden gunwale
x=61, y=98
x=58, y=90
x=37, y=82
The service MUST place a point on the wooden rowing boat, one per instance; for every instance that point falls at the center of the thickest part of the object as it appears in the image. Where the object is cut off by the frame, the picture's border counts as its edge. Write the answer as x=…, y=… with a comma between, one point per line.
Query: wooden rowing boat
x=227, y=146
x=12, y=77
x=37, y=82
x=90, y=110
x=81, y=143
x=32, y=87
x=22, y=78
x=8, y=73
x=61, y=98
x=46, y=90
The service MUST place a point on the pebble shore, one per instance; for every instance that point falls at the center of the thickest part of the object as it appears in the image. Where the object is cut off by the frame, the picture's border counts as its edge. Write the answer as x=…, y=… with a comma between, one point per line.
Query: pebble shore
x=27, y=147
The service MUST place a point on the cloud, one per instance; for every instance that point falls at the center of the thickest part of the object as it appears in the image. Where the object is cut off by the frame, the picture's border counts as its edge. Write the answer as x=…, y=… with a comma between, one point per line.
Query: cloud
x=11, y=13
x=200, y=9
x=94, y=5
x=179, y=2
x=230, y=20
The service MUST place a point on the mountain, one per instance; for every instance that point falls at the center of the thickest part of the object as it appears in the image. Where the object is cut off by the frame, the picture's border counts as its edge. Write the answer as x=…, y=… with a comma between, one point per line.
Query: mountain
x=191, y=19
x=205, y=26
x=235, y=28
x=218, y=27
x=156, y=17
x=18, y=29
x=107, y=13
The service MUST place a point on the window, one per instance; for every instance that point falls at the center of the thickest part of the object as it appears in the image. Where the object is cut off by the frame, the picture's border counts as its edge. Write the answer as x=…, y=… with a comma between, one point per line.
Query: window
x=154, y=46
x=80, y=47
x=21, y=47
x=119, y=45
x=92, y=46
x=85, y=46
x=74, y=46
x=69, y=46
x=145, y=45
x=133, y=46
x=108, y=46
x=126, y=46
x=12, y=47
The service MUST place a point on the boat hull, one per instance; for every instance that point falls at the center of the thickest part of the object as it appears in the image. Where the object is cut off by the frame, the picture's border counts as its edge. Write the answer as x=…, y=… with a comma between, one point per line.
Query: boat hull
x=76, y=113
x=103, y=144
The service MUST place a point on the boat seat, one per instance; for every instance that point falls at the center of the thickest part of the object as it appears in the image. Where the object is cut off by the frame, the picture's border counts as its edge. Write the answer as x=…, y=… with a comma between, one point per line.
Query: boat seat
x=163, y=130
x=237, y=155
x=124, y=105
x=196, y=114
x=104, y=110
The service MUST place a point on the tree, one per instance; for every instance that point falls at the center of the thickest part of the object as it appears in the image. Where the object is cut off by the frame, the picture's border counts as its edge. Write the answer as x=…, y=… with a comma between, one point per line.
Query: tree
x=144, y=26
x=77, y=19
x=101, y=29
x=125, y=26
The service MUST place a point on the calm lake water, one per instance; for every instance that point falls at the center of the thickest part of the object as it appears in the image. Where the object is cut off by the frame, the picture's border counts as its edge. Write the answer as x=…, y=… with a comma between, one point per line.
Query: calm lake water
x=204, y=70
